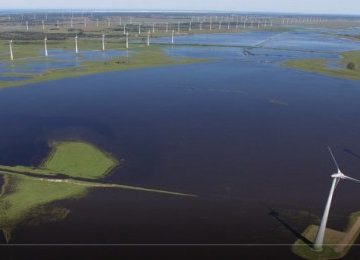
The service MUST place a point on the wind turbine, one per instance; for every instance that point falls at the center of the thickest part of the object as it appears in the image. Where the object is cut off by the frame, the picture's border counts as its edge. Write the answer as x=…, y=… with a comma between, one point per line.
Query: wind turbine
x=43, y=25
x=127, y=40
x=148, y=38
x=45, y=47
x=172, y=36
x=11, y=50
x=319, y=240
x=27, y=26
x=76, y=45
x=103, y=42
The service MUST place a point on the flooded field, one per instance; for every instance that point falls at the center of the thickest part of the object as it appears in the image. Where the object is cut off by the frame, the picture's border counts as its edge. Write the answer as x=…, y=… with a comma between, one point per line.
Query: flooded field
x=241, y=131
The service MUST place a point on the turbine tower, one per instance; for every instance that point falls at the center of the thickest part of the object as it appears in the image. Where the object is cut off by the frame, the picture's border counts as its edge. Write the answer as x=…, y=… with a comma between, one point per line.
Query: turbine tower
x=319, y=240
x=103, y=42
x=45, y=47
x=27, y=26
x=11, y=50
x=76, y=45
x=127, y=40
x=172, y=36
x=43, y=25
x=148, y=39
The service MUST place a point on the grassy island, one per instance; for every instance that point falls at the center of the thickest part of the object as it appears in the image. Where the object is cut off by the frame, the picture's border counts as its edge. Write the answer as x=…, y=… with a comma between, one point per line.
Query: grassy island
x=349, y=66
x=79, y=159
x=336, y=244
x=70, y=170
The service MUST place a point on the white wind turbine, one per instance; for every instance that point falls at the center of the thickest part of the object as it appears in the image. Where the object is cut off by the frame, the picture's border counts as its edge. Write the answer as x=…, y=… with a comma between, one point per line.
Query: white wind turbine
x=127, y=41
x=148, y=39
x=76, y=45
x=11, y=50
x=319, y=240
x=45, y=46
x=103, y=42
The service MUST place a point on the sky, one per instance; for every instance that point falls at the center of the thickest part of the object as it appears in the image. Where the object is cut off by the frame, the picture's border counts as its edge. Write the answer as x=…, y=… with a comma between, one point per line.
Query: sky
x=292, y=6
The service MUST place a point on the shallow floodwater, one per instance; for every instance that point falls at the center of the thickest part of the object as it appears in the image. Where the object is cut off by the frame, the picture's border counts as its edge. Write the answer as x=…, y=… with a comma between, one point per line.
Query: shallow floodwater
x=57, y=59
x=242, y=132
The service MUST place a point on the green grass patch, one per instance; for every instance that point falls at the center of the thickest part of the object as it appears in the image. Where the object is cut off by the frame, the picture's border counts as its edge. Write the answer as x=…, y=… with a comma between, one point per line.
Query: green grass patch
x=67, y=173
x=79, y=159
x=336, y=243
x=320, y=66
x=140, y=57
x=22, y=195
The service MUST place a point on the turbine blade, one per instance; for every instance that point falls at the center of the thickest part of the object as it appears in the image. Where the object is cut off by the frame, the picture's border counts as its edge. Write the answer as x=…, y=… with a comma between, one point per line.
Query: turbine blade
x=351, y=179
x=333, y=157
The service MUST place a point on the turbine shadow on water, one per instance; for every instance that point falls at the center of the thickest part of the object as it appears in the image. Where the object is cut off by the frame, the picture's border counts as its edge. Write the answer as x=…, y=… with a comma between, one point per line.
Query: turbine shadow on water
x=352, y=153
x=296, y=233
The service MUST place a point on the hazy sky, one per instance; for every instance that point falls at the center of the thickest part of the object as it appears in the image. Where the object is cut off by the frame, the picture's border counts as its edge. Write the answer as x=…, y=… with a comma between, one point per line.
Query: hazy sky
x=298, y=6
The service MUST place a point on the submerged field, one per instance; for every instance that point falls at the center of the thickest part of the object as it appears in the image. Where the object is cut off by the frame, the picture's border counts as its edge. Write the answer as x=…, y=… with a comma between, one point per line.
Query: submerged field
x=345, y=70
x=27, y=191
x=22, y=195
x=242, y=131
x=138, y=58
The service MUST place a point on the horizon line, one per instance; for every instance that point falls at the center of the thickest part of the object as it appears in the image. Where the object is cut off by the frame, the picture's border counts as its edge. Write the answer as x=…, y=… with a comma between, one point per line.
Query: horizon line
x=106, y=10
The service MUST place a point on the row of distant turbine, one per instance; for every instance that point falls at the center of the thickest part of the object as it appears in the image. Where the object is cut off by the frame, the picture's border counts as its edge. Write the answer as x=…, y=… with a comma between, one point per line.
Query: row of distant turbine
x=189, y=25
x=102, y=40
x=283, y=21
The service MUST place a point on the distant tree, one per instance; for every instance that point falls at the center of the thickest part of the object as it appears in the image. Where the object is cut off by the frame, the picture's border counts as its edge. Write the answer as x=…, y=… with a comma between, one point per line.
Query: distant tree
x=351, y=66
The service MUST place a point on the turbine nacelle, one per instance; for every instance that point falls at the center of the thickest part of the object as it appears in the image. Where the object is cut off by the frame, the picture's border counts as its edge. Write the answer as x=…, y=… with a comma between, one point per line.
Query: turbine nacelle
x=339, y=175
